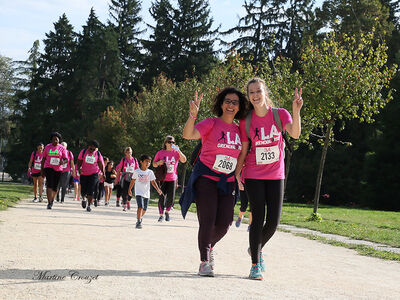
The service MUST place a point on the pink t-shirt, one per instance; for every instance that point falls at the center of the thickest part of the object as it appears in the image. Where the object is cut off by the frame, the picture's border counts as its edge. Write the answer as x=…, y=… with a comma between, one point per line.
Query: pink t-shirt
x=171, y=159
x=130, y=165
x=265, y=160
x=89, y=162
x=67, y=165
x=36, y=162
x=221, y=146
x=53, y=156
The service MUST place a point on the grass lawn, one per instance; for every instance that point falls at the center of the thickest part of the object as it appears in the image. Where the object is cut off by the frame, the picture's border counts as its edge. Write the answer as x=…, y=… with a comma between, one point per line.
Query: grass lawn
x=361, y=224
x=11, y=193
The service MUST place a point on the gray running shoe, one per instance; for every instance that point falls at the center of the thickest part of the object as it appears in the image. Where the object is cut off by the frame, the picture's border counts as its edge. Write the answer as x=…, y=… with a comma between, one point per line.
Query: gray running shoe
x=40, y=198
x=205, y=269
x=88, y=208
x=212, y=254
x=160, y=219
x=167, y=217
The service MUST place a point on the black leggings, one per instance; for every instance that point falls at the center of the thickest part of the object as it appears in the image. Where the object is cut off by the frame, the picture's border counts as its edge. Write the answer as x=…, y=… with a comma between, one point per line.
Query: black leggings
x=261, y=193
x=125, y=195
x=244, y=201
x=166, y=200
x=214, y=212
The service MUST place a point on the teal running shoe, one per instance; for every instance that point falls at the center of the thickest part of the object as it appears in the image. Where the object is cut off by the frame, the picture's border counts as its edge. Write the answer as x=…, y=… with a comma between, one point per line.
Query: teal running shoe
x=255, y=272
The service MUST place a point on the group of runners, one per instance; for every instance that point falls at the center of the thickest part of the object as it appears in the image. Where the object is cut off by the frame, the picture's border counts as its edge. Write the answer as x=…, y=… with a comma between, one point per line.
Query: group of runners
x=95, y=175
x=246, y=157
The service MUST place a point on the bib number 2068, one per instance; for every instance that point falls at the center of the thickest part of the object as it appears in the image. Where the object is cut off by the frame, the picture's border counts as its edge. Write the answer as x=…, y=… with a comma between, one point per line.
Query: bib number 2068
x=225, y=164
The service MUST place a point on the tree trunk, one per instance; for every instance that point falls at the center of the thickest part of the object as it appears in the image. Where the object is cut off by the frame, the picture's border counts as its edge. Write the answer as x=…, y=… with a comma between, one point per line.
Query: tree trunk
x=321, y=167
x=287, y=169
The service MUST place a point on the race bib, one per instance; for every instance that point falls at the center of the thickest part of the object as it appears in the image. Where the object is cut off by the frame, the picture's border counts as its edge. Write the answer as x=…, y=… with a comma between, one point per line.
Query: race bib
x=37, y=166
x=225, y=164
x=170, y=168
x=55, y=161
x=267, y=155
x=129, y=169
x=90, y=159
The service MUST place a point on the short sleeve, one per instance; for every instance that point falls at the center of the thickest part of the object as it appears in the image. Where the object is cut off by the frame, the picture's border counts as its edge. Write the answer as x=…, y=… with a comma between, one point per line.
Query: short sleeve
x=80, y=156
x=242, y=130
x=120, y=166
x=205, y=126
x=285, y=117
x=152, y=176
x=157, y=157
x=135, y=175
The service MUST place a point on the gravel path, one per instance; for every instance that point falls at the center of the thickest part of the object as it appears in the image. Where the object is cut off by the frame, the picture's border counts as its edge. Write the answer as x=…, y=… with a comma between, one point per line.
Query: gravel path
x=67, y=253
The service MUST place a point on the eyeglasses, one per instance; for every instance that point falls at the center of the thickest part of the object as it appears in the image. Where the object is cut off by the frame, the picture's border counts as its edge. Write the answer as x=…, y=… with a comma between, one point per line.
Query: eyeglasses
x=233, y=102
x=171, y=142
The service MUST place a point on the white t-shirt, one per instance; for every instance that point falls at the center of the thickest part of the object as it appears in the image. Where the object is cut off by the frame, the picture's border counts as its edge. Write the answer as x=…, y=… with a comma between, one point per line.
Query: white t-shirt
x=142, y=183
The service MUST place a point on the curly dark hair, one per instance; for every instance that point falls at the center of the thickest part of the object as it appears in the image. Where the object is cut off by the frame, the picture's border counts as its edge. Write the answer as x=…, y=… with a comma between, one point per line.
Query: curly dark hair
x=219, y=99
x=55, y=133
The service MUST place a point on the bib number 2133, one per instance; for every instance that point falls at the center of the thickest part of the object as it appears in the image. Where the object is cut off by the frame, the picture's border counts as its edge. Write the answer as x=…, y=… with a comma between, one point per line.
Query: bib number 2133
x=267, y=155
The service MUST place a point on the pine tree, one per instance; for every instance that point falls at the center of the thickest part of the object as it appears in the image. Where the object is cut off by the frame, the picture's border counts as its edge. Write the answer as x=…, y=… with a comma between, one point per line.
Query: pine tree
x=181, y=44
x=271, y=28
x=159, y=53
x=96, y=78
x=126, y=20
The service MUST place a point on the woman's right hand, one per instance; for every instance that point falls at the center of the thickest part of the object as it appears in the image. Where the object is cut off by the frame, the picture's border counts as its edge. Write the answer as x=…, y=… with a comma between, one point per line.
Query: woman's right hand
x=160, y=163
x=195, y=104
x=240, y=184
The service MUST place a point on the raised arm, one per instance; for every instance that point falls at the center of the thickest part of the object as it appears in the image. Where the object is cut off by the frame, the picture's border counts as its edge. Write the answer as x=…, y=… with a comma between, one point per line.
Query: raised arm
x=294, y=128
x=189, y=132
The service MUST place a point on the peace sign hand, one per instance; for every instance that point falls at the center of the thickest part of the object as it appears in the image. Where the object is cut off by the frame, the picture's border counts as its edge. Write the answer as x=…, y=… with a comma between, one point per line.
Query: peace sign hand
x=297, y=100
x=195, y=104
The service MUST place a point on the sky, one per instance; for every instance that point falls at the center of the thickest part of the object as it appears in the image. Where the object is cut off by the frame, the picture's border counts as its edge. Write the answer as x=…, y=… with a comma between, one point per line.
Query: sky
x=24, y=21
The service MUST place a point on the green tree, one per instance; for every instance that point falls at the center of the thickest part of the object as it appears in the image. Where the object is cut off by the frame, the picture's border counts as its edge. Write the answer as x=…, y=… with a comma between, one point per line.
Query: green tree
x=7, y=82
x=344, y=79
x=96, y=79
x=183, y=37
x=272, y=28
x=355, y=16
x=158, y=59
x=126, y=20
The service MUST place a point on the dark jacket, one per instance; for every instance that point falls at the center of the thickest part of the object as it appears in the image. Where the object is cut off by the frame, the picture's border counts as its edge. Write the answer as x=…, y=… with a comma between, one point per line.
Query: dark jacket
x=189, y=195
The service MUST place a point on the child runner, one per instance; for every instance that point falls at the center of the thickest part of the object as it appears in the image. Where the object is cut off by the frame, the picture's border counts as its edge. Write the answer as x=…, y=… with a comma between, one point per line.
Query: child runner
x=90, y=161
x=171, y=156
x=265, y=167
x=141, y=179
x=54, y=156
x=100, y=191
x=34, y=167
x=212, y=182
x=111, y=174
x=127, y=165
x=77, y=185
x=65, y=174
